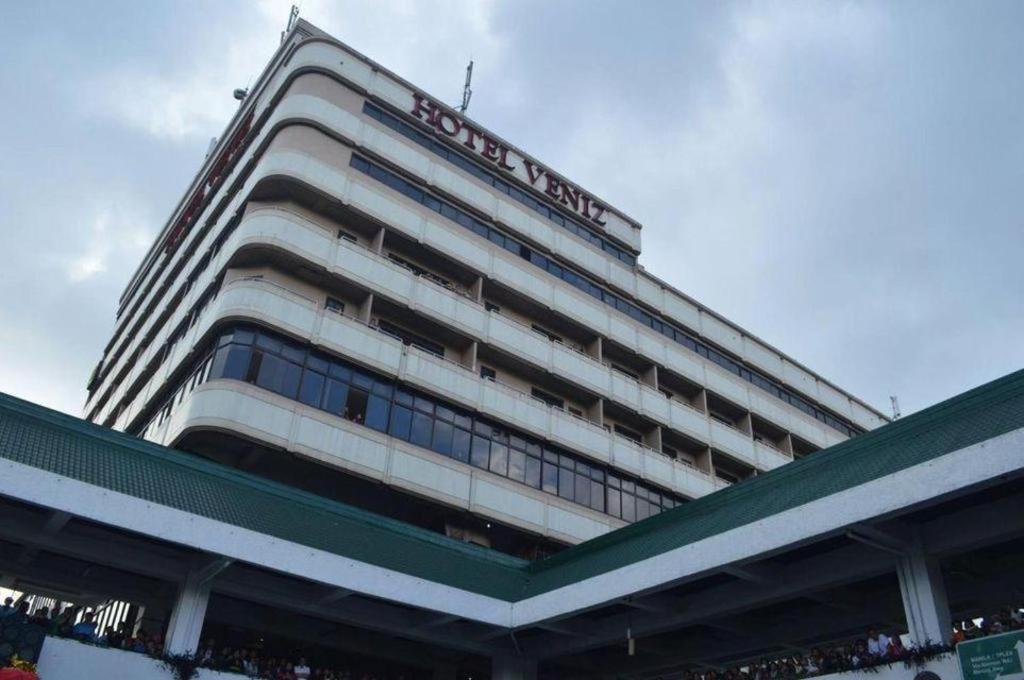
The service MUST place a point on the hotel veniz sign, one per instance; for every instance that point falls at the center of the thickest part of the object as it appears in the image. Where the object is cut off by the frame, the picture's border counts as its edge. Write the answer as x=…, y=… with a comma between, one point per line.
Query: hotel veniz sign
x=997, y=657
x=449, y=125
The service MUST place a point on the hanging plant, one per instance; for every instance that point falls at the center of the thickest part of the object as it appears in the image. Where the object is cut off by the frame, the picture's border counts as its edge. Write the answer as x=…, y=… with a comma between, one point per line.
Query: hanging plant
x=181, y=666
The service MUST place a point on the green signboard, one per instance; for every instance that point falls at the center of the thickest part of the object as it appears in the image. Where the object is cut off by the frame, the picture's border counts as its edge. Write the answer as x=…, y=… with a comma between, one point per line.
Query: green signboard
x=995, y=656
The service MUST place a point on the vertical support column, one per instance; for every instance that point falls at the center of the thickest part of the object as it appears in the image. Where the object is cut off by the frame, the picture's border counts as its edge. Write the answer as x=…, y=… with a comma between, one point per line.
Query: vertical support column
x=652, y=438
x=469, y=357
x=705, y=462
x=700, y=401
x=189, y=613
x=787, y=444
x=513, y=668
x=476, y=290
x=377, y=245
x=595, y=348
x=746, y=425
x=650, y=376
x=924, y=598
x=596, y=412
x=366, y=309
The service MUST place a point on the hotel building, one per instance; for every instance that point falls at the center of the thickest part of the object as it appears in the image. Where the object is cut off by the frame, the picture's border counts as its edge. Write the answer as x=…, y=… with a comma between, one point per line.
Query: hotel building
x=366, y=295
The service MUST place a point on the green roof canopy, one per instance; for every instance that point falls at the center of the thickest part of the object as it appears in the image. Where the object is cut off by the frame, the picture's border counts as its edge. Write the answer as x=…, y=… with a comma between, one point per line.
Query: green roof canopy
x=67, y=446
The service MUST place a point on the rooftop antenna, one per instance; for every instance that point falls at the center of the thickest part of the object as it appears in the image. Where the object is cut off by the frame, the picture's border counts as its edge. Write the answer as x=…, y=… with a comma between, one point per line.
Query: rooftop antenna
x=895, y=402
x=467, y=91
x=293, y=16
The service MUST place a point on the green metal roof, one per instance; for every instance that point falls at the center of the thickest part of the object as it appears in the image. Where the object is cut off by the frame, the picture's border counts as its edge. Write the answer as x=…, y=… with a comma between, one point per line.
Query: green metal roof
x=68, y=446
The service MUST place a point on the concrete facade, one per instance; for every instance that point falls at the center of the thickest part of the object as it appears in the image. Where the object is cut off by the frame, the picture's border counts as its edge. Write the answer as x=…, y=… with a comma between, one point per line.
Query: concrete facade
x=281, y=232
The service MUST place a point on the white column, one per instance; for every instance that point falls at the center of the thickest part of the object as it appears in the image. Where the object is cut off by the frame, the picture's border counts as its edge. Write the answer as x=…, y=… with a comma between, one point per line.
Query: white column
x=924, y=598
x=513, y=668
x=189, y=613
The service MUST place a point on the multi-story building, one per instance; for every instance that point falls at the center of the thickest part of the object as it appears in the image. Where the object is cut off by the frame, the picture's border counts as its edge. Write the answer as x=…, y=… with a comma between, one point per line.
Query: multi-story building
x=370, y=296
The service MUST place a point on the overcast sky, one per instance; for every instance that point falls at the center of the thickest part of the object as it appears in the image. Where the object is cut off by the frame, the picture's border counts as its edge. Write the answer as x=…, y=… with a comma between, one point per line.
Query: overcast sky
x=844, y=180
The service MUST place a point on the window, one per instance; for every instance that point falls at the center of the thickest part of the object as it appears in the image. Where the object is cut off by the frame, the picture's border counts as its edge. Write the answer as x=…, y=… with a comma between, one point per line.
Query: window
x=342, y=234
x=582, y=283
x=293, y=370
x=488, y=373
x=410, y=338
x=335, y=305
x=628, y=433
x=478, y=172
x=549, y=399
x=546, y=333
x=491, y=307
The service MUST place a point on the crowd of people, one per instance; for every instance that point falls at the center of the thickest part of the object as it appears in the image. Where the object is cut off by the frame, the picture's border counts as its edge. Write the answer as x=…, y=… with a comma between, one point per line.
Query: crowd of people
x=255, y=664
x=76, y=623
x=875, y=649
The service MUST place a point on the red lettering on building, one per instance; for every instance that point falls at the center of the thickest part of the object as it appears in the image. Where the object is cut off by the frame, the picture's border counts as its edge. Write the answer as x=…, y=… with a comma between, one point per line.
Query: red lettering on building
x=449, y=124
x=213, y=177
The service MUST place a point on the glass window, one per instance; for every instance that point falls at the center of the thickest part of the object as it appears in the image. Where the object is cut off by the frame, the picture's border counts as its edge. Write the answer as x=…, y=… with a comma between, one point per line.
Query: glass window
x=401, y=422
x=424, y=404
x=582, y=494
x=628, y=507
x=271, y=373
x=516, y=465
x=316, y=363
x=422, y=427
x=532, y=472
x=499, y=459
x=403, y=397
x=597, y=496
x=268, y=342
x=341, y=372
x=355, y=406
x=566, y=484
x=377, y=408
x=442, y=442
x=231, y=362
x=460, y=445
x=550, y=478
x=312, y=388
x=360, y=379
x=480, y=455
x=335, y=397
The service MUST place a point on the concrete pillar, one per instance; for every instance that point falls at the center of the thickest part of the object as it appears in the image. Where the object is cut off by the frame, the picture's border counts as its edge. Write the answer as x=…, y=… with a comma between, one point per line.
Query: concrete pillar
x=700, y=401
x=652, y=438
x=513, y=668
x=650, y=376
x=595, y=348
x=377, y=245
x=469, y=357
x=476, y=291
x=366, y=309
x=189, y=613
x=924, y=598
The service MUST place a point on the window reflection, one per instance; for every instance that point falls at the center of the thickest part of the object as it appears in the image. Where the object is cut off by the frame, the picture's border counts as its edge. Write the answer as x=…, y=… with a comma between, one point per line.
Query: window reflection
x=298, y=372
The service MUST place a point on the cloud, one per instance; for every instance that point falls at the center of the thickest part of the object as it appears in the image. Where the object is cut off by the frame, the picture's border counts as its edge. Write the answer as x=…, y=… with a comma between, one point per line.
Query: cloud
x=114, y=232
x=842, y=178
